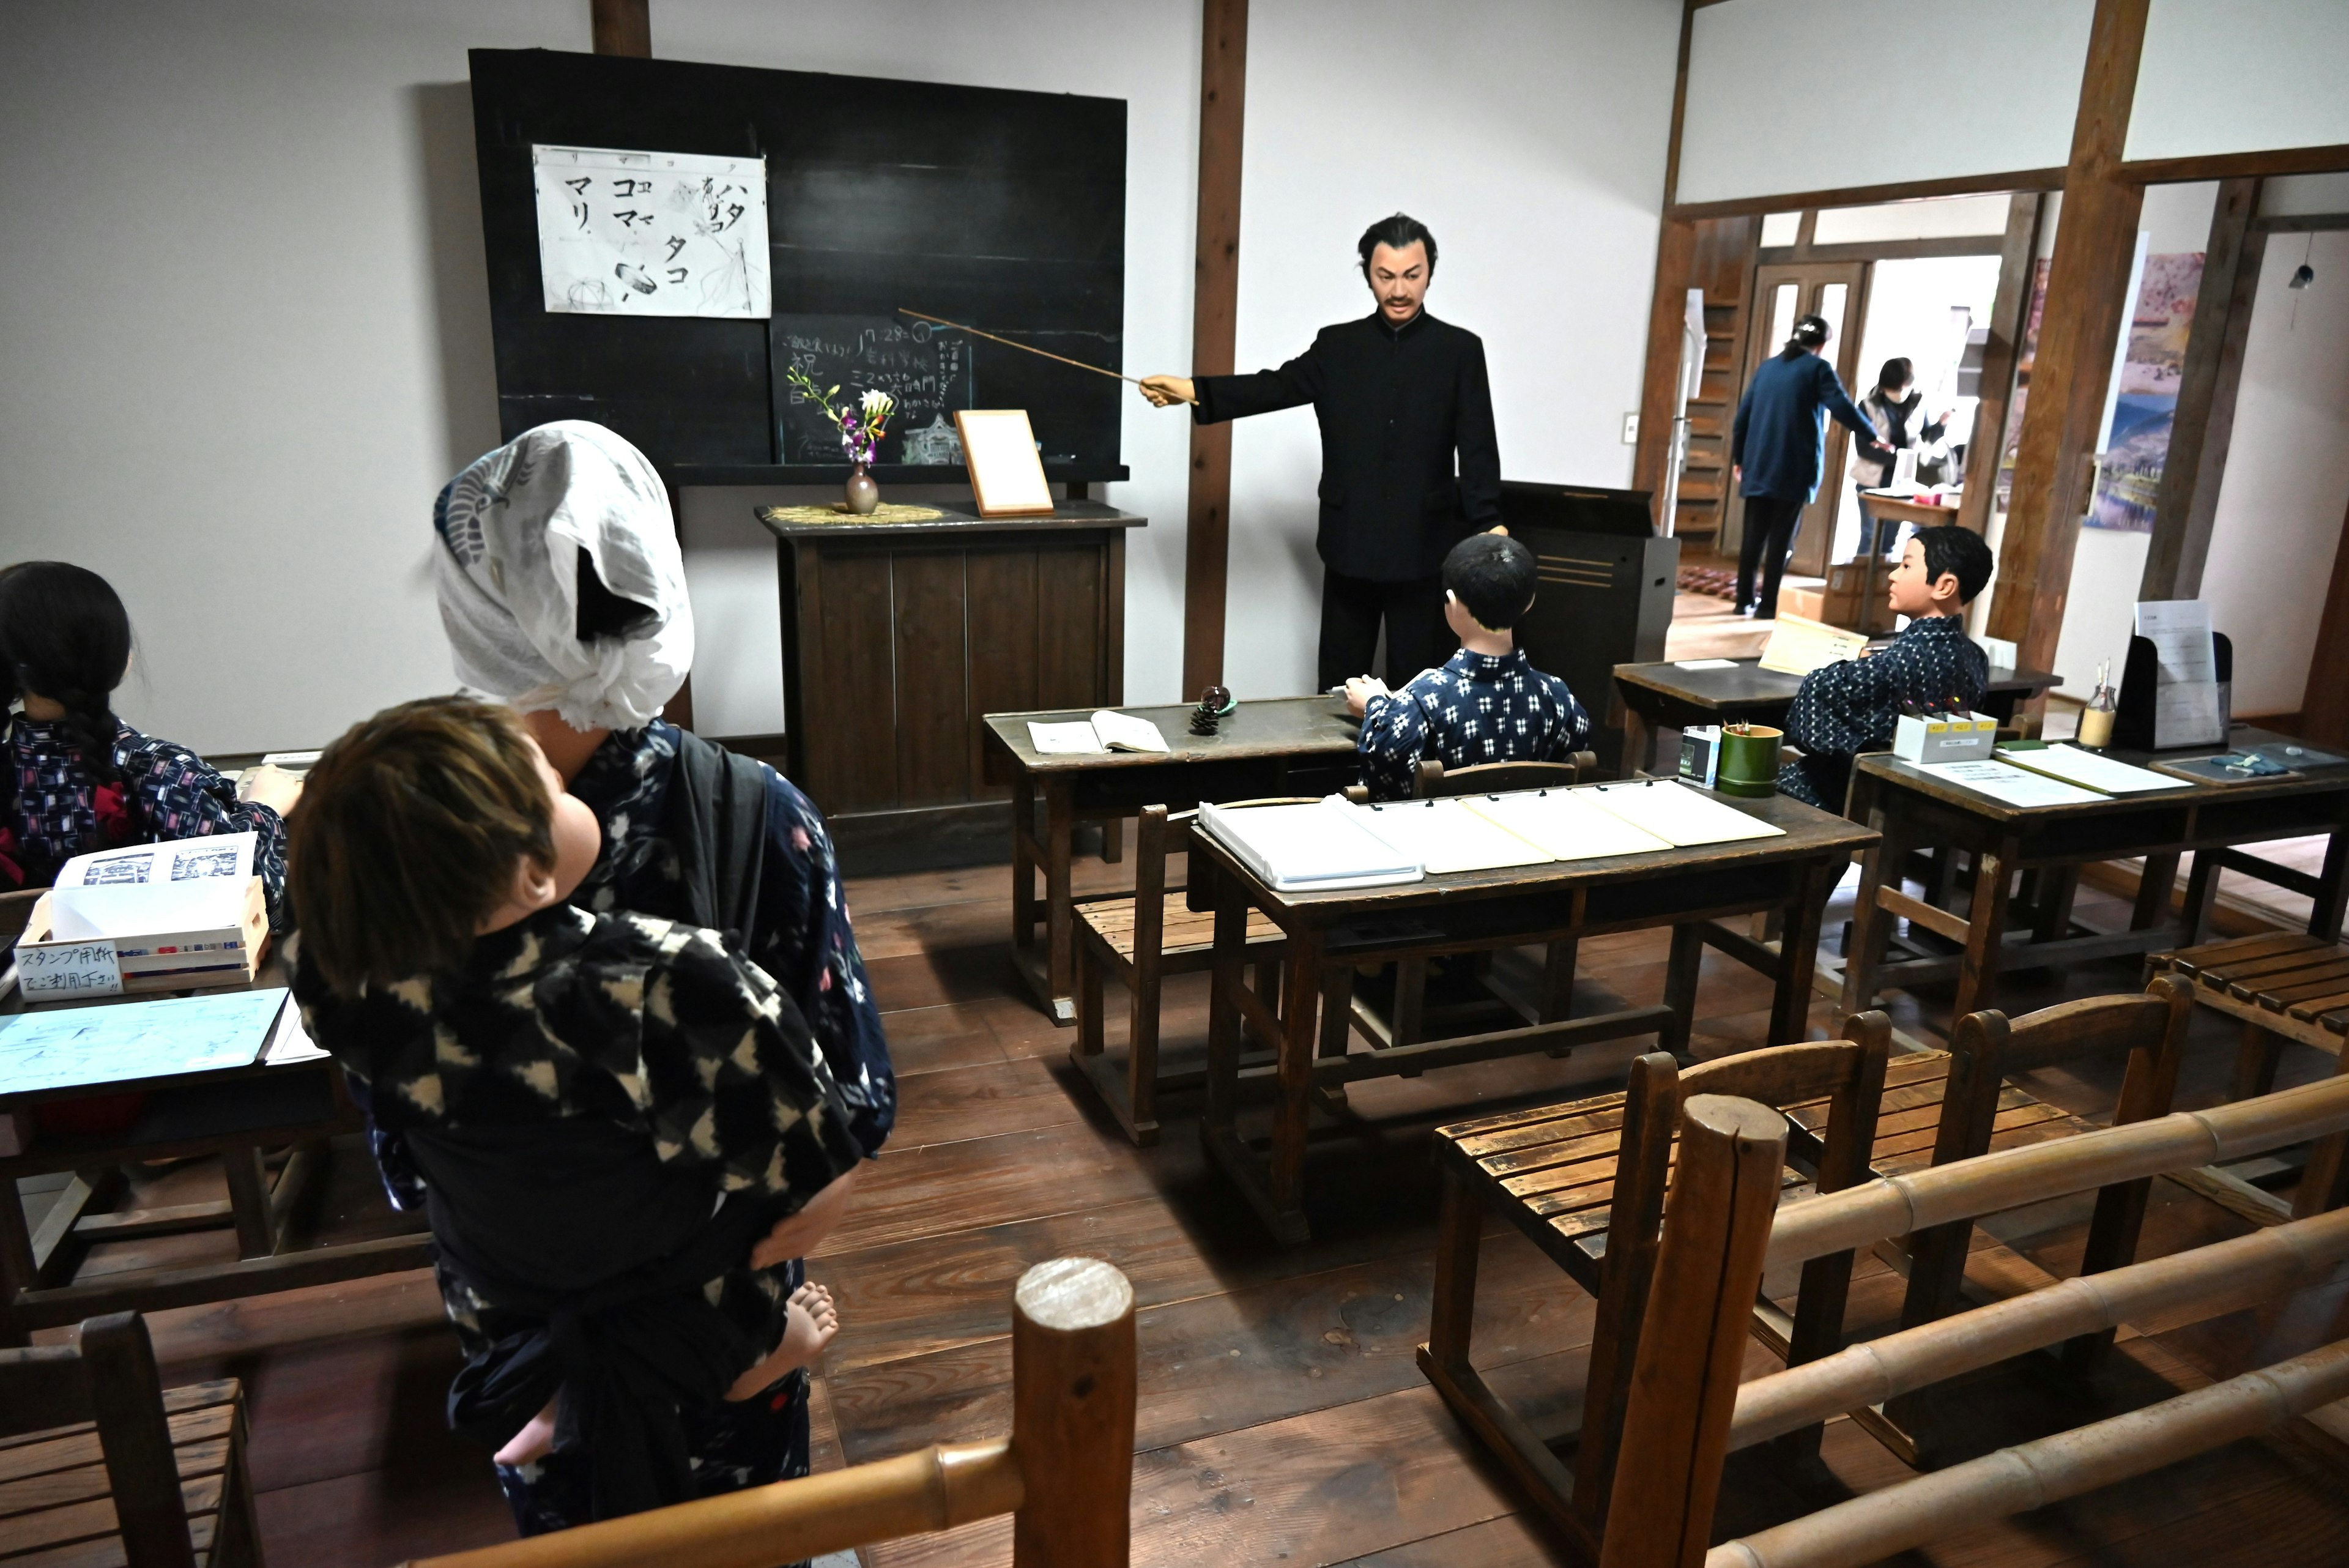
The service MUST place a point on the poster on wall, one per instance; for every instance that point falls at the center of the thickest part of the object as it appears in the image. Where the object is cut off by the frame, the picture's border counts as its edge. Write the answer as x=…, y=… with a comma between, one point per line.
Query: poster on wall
x=651, y=233
x=2130, y=476
x=2022, y=385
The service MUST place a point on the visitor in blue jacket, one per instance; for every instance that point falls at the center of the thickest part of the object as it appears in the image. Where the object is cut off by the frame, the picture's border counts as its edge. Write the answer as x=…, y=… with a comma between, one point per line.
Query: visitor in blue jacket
x=1779, y=447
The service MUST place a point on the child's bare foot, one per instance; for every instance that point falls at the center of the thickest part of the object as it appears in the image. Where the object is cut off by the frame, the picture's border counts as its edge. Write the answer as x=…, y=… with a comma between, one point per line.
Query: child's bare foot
x=811, y=1321
x=533, y=1442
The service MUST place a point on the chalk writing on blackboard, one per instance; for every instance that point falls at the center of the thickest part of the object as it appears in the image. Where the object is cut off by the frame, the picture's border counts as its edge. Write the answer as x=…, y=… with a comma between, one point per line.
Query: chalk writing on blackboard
x=651, y=233
x=927, y=371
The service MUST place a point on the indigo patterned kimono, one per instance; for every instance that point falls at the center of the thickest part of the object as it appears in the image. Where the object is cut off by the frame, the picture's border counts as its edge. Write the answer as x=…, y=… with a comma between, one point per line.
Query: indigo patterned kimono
x=55, y=809
x=1479, y=707
x=1843, y=709
x=586, y=1098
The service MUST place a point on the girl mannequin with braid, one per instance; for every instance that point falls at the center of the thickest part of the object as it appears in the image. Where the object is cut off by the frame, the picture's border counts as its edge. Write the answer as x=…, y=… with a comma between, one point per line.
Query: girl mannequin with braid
x=77, y=778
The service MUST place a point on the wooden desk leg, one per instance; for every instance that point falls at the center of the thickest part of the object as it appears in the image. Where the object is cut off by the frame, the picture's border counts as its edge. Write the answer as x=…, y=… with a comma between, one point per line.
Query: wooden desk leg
x=1986, y=933
x=1458, y=1235
x=1679, y=987
x=18, y=1274
x=2153, y=889
x=1060, y=912
x=1222, y=1012
x=2201, y=891
x=1299, y=1034
x=1112, y=840
x=1558, y=983
x=248, y=1200
x=1870, y=922
x=1798, y=952
x=1023, y=872
x=2332, y=888
x=1639, y=742
x=1336, y=1030
x=2051, y=918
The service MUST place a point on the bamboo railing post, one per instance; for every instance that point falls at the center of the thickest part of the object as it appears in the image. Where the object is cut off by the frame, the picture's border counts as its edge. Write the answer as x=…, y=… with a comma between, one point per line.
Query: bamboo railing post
x=1708, y=1270
x=1072, y=1371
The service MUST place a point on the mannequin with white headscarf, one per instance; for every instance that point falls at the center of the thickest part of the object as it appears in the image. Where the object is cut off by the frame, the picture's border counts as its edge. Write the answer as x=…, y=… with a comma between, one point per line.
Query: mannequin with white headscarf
x=561, y=588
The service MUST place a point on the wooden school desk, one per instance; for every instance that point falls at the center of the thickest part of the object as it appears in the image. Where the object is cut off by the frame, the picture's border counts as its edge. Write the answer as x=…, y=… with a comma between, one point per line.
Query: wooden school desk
x=1664, y=696
x=1330, y=933
x=1912, y=809
x=234, y=1112
x=1275, y=746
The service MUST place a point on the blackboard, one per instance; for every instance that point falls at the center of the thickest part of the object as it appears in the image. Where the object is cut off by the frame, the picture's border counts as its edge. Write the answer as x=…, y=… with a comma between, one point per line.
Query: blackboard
x=1003, y=210
x=928, y=372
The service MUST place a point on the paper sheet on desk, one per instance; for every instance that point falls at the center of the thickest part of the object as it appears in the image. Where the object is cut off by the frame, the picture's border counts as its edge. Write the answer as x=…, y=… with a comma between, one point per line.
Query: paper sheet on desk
x=1680, y=815
x=2073, y=765
x=1446, y=836
x=180, y=885
x=2186, y=707
x=1074, y=738
x=75, y=1046
x=2014, y=785
x=1566, y=824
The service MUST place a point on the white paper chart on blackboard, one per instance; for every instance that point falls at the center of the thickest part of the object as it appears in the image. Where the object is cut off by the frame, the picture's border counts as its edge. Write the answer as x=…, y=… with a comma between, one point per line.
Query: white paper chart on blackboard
x=652, y=233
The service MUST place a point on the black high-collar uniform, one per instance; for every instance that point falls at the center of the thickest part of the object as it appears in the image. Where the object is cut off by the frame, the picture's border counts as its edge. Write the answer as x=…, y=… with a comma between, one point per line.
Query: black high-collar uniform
x=1396, y=404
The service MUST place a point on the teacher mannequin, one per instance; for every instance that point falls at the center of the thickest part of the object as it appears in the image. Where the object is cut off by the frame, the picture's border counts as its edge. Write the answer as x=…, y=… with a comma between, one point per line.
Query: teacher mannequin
x=1402, y=398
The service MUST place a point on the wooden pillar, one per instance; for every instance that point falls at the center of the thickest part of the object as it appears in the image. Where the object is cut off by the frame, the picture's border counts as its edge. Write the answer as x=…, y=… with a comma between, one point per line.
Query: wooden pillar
x=623, y=27
x=2188, y=501
x=2010, y=313
x=1073, y=1403
x=2324, y=706
x=2095, y=241
x=1684, y=1378
x=1666, y=307
x=1215, y=319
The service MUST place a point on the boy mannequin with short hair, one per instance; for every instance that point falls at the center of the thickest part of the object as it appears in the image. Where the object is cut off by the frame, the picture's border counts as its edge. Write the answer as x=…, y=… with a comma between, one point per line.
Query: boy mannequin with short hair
x=1844, y=709
x=1487, y=703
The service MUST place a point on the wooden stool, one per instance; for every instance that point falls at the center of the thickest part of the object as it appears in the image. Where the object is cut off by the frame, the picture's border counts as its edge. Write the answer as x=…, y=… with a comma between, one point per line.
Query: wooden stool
x=1585, y=1181
x=98, y=1464
x=2282, y=987
x=1141, y=939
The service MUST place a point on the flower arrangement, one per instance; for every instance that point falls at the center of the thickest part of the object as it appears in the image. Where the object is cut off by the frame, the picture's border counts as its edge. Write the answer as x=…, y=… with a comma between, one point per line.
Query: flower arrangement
x=862, y=425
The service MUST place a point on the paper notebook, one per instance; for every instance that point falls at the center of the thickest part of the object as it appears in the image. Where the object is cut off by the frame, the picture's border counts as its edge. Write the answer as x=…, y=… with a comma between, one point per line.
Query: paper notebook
x=71, y=1047
x=1124, y=733
x=1310, y=848
x=1676, y=814
x=1448, y=836
x=1798, y=645
x=2016, y=786
x=2086, y=769
x=1566, y=824
x=144, y=890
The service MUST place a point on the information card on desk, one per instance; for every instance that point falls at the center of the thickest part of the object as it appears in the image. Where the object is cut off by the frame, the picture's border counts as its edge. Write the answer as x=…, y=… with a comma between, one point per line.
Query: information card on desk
x=2186, y=708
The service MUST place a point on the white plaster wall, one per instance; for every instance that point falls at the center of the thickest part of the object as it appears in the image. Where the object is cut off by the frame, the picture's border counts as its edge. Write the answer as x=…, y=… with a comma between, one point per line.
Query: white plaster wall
x=261, y=342
x=254, y=337
x=1529, y=135
x=1787, y=96
x=2240, y=76
x=2287, y=481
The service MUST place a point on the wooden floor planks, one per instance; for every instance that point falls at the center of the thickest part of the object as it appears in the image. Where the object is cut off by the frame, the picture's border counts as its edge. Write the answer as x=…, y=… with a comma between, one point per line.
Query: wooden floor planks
x=1282, y=1419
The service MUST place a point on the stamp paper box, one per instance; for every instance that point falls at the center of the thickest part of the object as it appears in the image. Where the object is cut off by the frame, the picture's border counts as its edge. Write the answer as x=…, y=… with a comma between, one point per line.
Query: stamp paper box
x=172, y=961
x=1945, y=737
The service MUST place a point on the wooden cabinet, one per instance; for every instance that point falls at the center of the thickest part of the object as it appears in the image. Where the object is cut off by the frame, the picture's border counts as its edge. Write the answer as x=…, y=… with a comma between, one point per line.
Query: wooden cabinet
x=898, y=637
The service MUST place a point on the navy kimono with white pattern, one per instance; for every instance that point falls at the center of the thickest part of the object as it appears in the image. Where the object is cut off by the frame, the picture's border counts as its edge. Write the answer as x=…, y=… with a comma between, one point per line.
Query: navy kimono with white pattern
x=1845, y=708
x=1479, y=707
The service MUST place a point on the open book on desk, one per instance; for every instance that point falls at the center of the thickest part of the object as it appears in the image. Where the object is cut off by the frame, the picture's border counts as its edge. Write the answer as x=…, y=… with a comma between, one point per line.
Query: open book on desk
x=1106, y=731
x=1324, y=845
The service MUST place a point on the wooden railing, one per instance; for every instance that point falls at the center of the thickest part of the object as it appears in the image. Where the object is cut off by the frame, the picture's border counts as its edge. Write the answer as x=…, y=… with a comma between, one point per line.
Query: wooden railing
x=1065, y=1473
x=1722, y=1228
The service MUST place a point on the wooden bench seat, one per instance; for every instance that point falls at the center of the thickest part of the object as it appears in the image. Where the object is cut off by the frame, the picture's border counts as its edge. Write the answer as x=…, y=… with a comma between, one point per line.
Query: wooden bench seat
x=156, y=1479
x=1185, y=932
x=2281, y=987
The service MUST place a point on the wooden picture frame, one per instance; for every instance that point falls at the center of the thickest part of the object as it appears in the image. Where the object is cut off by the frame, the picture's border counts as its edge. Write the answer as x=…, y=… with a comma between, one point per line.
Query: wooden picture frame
x=1006, y=476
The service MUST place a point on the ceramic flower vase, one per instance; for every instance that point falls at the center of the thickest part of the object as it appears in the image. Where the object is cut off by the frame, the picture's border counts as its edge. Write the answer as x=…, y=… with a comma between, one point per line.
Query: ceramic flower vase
x=863, y=494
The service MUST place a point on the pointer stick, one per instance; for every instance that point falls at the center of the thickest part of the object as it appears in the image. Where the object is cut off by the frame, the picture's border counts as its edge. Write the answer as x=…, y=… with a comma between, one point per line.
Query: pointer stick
x=1024, y=348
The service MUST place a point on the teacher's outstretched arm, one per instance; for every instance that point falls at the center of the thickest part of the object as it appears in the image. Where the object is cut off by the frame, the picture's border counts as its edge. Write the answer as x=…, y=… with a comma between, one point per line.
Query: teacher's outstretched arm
x=1215, y=398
